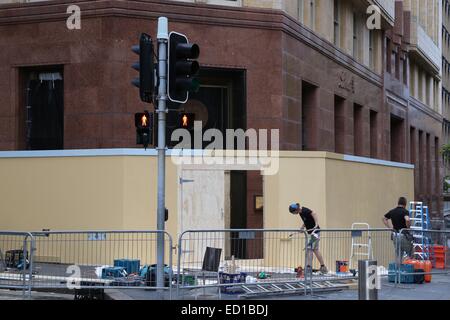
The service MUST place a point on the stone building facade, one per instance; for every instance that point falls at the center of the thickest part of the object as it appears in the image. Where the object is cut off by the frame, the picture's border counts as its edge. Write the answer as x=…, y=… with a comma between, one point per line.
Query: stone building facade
x=310, y=68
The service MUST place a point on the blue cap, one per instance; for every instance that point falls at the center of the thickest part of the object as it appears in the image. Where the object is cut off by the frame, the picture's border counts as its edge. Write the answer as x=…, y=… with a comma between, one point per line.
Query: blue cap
x=294, y=207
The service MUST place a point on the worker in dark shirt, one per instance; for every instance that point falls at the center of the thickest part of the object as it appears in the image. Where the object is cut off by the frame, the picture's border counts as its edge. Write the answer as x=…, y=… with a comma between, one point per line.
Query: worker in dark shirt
x=398, y=219
x=311, y=223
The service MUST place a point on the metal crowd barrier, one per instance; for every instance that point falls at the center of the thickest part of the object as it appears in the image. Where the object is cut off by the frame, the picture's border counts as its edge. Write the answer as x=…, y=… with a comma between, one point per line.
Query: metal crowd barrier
x=16, y=261
x=245, y=261
x=427, y=245
x=266, y=260
x=249, y=262
x=85, y=260
x=342, y=248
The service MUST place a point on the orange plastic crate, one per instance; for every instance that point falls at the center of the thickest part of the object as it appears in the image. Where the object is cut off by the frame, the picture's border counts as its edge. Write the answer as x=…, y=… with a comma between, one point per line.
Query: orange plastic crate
x=439, y=249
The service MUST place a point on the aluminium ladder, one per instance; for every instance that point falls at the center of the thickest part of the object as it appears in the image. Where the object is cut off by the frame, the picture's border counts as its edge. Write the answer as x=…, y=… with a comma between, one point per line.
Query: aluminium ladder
x=288, y=288
x=359, y=247
x=420, y=221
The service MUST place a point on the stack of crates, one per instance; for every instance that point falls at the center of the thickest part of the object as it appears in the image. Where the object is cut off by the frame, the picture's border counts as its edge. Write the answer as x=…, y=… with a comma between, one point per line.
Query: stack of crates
x=439, y=256
x=113, y=273
x=406, y=273
x=232, y=278
x=131, y=266
x=14, y=259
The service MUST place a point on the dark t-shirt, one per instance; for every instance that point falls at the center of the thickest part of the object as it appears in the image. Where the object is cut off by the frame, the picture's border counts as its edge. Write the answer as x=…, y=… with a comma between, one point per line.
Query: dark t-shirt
x=308, y=220
x=397, y=216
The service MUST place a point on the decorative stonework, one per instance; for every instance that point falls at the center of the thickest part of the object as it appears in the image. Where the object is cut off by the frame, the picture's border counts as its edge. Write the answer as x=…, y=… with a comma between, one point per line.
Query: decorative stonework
x=346, y=82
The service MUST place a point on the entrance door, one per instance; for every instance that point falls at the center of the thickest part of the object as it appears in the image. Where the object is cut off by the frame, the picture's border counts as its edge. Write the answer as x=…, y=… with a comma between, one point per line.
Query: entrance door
x=202, y=207
x=202, y=200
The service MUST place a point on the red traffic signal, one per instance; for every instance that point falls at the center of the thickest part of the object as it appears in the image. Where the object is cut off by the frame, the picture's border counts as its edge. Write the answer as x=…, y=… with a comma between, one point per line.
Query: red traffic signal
x=142, y=120
x=144, y=128
x=186, y=121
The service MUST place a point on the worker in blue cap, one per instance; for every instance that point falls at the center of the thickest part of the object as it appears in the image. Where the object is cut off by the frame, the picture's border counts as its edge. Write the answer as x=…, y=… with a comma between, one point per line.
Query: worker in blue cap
x=310, y=222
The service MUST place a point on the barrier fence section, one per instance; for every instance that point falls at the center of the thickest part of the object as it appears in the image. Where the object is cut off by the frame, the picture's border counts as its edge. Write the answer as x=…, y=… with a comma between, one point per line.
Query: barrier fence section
x=16, y=260
x=234, y=258
x=87, y=259
x=430, y=251
x=228, y=259
x=342, y=248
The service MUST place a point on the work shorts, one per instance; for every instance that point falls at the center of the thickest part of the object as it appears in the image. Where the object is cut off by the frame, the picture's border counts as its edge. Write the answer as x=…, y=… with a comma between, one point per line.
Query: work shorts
x=406, y=244
x=314, y=241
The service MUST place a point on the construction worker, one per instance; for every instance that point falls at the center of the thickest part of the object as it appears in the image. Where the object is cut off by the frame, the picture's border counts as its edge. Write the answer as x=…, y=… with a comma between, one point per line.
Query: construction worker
x=398, y=219
x=310, y=222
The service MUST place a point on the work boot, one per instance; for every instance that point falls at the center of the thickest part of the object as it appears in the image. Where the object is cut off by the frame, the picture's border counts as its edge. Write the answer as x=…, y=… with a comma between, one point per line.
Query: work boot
x=323, y=270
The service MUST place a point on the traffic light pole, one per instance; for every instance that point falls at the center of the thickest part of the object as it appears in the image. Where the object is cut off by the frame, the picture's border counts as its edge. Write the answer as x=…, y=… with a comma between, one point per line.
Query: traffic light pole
x=163, y=37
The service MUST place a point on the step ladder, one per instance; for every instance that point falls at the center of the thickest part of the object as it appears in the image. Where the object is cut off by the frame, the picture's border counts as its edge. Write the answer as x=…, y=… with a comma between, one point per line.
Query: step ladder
x=2, y=262
x=420, y=221
x=360, y=247
x=288, y=288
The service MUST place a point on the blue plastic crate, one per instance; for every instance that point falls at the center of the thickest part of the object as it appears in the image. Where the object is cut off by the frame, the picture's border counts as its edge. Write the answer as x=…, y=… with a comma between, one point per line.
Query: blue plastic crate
x=113, y=272
x=232, y=278
x=404, y=268
x=131, y=266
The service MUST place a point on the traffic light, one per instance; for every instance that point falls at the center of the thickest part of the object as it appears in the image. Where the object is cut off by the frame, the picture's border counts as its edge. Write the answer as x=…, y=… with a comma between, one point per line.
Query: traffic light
x=144, y=128
x=186, y=121
x=182, y=68
x=146, y=68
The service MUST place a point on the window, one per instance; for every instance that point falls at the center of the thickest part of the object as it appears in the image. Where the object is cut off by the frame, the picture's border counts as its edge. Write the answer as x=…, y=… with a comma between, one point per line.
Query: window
x=371, y=49
x=436, y=165
x=388, y=56
x=405, y=70
x=312, y=13
x=300, y=10
x=339, y=124
x=412, y=145
x=373, y=134
x=355, y=37
x=219, y=104
x=421, y=162
x=43, y=108
x=358, y=130
x=420, y=88
x=397, y=139
x=428, y=163
x=395, y=65
x=309, y=107
x=413, y=80
x=336, y=23
x=236, y=3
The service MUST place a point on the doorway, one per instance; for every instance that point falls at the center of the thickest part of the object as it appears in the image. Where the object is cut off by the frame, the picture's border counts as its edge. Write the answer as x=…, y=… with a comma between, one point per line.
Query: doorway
x=217, y=200
x=397, y=139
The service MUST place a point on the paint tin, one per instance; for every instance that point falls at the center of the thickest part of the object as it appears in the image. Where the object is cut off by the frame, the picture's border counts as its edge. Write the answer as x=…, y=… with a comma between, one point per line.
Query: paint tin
x=342, y=266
